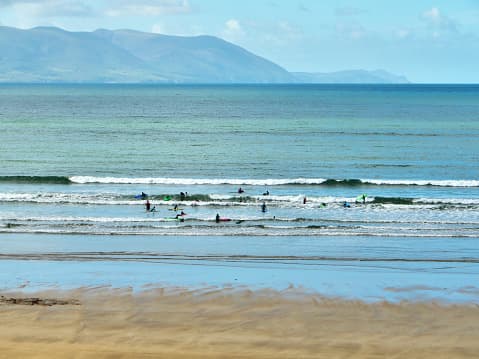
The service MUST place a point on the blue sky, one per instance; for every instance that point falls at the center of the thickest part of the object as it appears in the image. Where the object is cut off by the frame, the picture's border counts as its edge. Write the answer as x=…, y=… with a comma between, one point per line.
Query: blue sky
x=427, y=41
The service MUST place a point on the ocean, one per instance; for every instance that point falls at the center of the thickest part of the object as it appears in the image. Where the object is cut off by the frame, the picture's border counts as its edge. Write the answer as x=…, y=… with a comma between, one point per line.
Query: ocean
x=74, y=159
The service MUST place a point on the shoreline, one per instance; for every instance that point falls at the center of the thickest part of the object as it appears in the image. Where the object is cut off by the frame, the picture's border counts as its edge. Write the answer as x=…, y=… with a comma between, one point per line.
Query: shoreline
x=211, y=322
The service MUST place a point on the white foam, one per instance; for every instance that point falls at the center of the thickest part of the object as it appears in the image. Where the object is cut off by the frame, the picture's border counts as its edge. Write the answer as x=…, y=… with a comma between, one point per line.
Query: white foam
x=439, y=183
x=196, y=181
x=264, y=182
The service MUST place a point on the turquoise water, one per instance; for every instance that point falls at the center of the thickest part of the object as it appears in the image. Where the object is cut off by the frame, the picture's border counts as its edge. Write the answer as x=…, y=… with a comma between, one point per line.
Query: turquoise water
x=241, y=131
x=74, y=157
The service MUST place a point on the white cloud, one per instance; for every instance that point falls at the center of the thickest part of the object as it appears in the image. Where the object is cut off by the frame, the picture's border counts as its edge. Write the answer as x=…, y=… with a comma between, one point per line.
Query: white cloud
x=433, y=14
x=233, y=25
x=49, y=8
x=149, y=8
x=438, y=23
x=233, y=30
x=157, y=29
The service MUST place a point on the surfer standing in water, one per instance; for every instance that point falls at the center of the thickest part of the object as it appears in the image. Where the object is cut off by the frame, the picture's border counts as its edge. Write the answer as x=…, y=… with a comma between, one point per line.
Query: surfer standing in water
x=148, y=205
x=217, y=219
x=263, y=207
x=361, y=198
x=240, y=190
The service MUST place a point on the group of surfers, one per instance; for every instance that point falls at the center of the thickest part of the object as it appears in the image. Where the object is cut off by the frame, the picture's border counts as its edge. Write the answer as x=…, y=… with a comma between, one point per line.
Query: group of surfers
x=183, y=195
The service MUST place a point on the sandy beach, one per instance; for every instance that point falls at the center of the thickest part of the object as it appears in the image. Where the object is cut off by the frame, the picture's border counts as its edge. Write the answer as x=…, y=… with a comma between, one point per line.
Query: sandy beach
x=229, y=323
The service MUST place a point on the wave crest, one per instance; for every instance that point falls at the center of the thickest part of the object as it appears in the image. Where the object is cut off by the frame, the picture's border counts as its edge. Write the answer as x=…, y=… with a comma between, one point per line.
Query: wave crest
x=272, y=181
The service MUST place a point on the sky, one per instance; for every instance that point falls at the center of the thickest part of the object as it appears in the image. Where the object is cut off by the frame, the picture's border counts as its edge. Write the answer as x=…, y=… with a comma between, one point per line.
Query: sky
x=426, y=41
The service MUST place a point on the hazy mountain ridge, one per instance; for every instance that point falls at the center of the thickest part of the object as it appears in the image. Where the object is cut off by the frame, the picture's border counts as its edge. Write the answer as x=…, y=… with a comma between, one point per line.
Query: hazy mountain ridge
x=350, y=77
x=49, y=54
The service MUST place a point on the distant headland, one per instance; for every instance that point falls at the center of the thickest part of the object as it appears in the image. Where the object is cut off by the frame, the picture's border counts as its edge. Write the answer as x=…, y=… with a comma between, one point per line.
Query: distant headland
x=52, y=55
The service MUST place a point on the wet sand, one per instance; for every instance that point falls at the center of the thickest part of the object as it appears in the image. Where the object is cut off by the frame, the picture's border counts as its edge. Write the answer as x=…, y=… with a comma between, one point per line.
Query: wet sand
x=229, y=323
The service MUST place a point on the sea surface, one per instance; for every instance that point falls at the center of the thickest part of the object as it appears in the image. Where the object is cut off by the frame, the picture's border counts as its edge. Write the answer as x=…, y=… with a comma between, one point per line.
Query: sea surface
x=75, y=158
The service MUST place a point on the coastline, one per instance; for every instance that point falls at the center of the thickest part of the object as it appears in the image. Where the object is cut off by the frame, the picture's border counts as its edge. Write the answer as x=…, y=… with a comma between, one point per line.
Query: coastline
x=175, y=322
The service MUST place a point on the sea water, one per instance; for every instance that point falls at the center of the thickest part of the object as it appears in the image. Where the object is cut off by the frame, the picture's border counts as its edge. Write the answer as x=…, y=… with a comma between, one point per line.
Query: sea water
x=74, y=159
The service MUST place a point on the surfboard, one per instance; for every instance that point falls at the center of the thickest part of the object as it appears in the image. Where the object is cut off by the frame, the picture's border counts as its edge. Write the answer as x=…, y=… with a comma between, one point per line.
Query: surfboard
x=178, y=209
x=360, y=197
x=172, y=219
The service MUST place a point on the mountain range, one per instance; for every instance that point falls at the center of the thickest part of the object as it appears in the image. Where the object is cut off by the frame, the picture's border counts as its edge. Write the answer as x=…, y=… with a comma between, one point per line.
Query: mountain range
x=49, y=54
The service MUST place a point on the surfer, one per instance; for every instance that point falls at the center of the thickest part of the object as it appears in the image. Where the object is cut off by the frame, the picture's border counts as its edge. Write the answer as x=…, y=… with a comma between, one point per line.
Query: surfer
x=361, y=198
x=179, y=218
x=263, y=207
x=175, y=208
x=153, y=209
x=266, y=193
x=183, y=195
x=346, y=205
x=217, y=219
x=304, y=200
x=148, y=205
x=240, y=190
x=143, y=195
